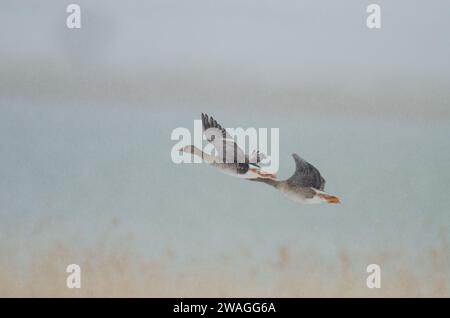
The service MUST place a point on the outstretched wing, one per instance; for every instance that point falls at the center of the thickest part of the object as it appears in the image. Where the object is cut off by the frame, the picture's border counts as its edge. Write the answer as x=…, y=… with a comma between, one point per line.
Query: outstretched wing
x=210, y=122
x=306, y=175
x=228, y=151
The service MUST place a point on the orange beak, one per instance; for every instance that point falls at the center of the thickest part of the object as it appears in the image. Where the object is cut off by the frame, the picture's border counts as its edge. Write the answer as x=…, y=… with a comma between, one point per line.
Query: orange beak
x=330, y=198
x=333, y=199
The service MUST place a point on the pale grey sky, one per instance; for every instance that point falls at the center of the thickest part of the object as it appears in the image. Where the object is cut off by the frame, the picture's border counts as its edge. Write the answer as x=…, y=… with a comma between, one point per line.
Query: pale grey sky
x=268, y=35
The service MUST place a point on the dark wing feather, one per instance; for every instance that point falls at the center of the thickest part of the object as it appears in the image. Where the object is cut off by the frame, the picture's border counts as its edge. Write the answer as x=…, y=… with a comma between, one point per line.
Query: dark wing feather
x=210, y=122
x=306, y=175
x=228, y=150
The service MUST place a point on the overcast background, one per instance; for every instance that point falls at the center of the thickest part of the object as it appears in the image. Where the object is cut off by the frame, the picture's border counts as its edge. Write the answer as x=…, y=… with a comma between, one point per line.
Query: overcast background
x=85, y=169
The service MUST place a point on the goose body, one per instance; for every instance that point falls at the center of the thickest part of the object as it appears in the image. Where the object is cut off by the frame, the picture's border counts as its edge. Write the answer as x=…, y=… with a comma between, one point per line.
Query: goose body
x=306, y=185
x=231, y=159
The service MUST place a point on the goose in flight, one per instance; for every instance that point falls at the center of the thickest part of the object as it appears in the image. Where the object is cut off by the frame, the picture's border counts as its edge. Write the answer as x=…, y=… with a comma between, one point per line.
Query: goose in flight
x=306, y=185
x=231, y=159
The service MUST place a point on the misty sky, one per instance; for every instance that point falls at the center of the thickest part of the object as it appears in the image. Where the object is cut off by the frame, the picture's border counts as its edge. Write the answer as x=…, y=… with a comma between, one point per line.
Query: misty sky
x=272, y=36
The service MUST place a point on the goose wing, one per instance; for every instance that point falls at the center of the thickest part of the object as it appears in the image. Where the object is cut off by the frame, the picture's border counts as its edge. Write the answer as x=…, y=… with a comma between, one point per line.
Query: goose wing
x=226, y=147
x=306, y=175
